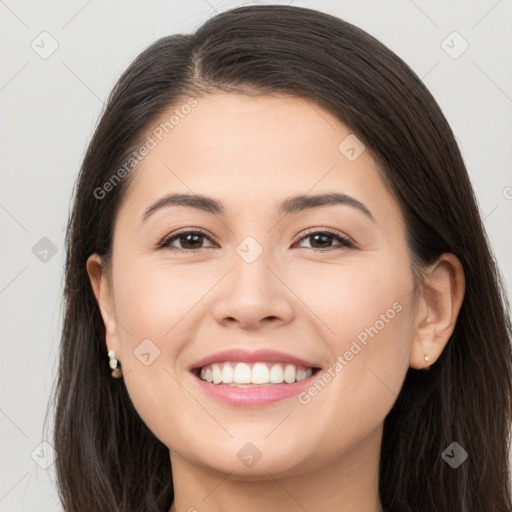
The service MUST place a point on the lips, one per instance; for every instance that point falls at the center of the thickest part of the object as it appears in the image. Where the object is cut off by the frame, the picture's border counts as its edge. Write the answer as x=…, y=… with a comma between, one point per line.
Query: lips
x=259, y=394
x=245, y=356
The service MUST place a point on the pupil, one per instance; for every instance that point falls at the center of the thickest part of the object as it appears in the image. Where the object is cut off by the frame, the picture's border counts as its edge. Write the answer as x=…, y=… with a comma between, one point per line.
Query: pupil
x=316, y=237
x=188, y=240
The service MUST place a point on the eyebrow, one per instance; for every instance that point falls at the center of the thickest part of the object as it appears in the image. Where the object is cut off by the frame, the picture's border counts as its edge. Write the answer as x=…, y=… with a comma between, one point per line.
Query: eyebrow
x=293, y=204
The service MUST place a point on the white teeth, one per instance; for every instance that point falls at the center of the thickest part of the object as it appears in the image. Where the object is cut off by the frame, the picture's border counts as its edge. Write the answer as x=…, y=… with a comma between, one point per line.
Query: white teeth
x=260, y=374
x=254, y=373
x=289, y=373
x=227, y=374
x=242, y=374
x=216, y=374
x=276, y=374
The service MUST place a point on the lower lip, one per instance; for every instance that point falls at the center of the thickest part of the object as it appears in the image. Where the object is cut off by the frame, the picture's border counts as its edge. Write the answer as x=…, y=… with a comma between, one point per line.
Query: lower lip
x=253, y=396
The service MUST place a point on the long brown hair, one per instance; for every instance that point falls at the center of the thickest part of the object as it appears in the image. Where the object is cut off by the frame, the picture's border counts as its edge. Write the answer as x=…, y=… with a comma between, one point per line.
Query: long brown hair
x=108, y=459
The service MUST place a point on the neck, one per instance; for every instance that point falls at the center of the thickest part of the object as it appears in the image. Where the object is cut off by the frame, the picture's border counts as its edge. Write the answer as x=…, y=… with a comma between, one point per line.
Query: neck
x=351, y=481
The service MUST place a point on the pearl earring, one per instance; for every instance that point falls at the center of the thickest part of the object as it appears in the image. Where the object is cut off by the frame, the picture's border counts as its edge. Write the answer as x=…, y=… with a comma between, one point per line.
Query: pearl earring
x=427, y=358
x=114, y=364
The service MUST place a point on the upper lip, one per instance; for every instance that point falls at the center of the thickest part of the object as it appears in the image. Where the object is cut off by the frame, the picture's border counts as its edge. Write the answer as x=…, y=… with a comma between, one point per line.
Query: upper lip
x=241, y=355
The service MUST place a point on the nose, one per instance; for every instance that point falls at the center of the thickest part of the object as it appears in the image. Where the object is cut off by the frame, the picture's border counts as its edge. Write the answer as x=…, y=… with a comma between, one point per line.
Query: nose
x=253, y=295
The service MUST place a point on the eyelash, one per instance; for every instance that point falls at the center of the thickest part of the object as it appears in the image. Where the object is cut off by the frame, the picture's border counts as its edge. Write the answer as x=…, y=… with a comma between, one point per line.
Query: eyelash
x=345, y=242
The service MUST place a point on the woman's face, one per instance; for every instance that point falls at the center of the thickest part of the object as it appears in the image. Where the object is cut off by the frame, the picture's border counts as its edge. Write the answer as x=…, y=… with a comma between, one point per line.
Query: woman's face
x=261, y=277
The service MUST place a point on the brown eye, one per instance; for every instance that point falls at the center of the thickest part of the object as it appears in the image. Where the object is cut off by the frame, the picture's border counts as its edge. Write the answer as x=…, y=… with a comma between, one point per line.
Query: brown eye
x=192, y=241
x=189, y=240
x=322, y=240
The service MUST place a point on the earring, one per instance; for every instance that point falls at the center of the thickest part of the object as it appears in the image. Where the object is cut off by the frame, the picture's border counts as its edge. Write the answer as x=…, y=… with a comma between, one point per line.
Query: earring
x=114, y=364
x=427, y=358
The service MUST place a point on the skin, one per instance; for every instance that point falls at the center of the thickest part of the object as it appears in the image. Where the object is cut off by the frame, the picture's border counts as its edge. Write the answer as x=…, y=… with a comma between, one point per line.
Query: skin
x=251, y=153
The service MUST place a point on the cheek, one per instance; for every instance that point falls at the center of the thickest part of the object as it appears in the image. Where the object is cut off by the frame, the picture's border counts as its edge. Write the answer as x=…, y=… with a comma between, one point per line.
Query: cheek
x=152, y=307
x=152, y=298
x=366, y=315
x=356, y=301
x=370, y=314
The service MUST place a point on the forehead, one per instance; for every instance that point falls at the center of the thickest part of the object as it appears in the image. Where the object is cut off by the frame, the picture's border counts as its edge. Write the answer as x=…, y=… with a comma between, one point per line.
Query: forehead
x=252, y=152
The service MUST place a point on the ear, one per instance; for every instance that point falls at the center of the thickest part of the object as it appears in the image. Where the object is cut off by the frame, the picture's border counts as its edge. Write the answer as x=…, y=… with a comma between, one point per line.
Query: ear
x=104, y=296
x=437, y=310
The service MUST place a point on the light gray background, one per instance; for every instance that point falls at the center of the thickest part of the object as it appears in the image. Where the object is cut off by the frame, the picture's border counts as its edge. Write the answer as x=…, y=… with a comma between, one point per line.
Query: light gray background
x=50, y=106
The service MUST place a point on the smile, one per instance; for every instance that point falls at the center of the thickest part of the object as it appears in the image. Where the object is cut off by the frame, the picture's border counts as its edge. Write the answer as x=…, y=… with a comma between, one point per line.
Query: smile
x=256, y=373
x=257, y=384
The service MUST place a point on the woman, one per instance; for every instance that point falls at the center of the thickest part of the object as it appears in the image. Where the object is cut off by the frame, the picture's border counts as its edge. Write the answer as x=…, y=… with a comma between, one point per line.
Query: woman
x=275, y=242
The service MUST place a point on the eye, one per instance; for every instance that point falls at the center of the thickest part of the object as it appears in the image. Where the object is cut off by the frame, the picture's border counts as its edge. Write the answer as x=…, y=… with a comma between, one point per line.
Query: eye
x=322, y=238
x=190, y=240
